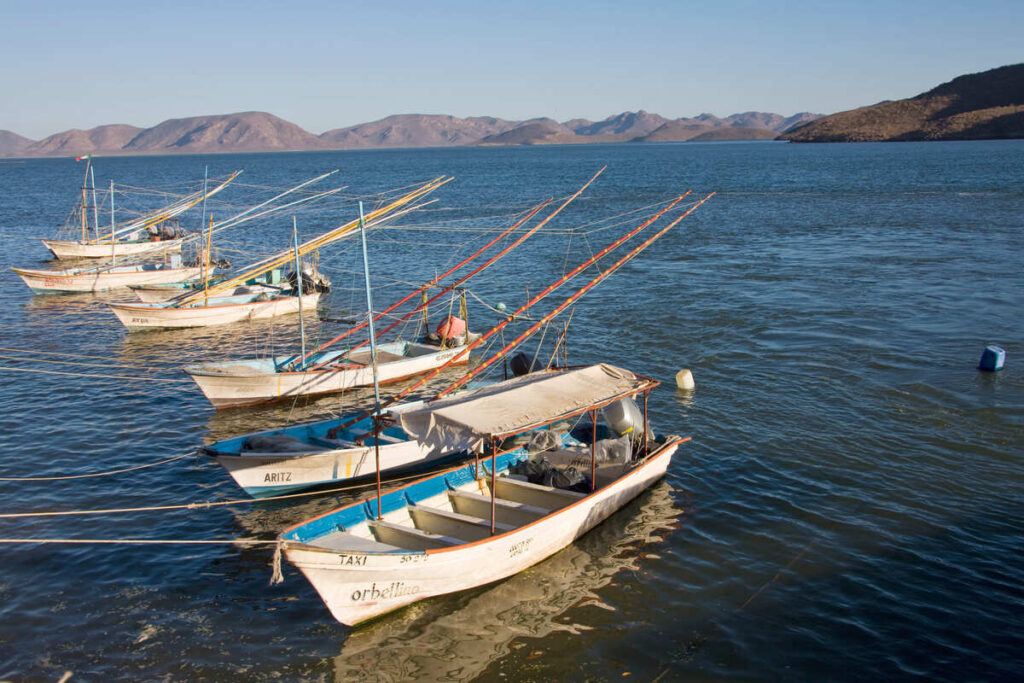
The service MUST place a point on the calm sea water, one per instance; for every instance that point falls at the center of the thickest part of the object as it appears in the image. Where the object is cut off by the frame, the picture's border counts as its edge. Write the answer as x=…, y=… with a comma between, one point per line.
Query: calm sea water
x=850, y=506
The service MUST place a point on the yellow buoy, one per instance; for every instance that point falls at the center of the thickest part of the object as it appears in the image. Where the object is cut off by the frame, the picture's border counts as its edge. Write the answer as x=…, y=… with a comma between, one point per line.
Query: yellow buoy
x=684, y=380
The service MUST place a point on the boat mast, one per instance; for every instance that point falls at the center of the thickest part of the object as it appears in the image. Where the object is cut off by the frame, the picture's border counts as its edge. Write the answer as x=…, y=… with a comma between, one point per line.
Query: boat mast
x=95, y=207
x=206, y=176
x=206, y=263
x=85, y=200
x=298, y=283
x=373, y=354
x=114, y=256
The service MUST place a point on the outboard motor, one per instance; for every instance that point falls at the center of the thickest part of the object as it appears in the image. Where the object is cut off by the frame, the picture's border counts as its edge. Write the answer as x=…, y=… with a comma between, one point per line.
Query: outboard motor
x=624, y=417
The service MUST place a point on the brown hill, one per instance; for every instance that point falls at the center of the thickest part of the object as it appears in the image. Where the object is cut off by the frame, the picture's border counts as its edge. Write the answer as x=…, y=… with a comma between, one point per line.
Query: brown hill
x=627, y=125
x=735, y=133
x=12, y=144
x=679, y=130
x=245, y=132
x=976, y=106
x=416, y=130
x=537, y=132
x=107, y=139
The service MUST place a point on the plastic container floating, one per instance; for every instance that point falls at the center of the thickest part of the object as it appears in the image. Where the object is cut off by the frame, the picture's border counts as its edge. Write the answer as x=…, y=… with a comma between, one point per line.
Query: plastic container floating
x=684, y=380
x=992, y=359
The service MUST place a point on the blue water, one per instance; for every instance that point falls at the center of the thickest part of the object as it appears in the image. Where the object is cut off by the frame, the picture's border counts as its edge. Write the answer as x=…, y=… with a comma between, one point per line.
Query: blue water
x=850, y=506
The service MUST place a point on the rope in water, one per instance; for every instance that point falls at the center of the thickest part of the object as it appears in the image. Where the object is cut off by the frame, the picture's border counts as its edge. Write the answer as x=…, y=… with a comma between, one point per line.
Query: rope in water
x=86, y=374
x=193, y=506
x=101, y=474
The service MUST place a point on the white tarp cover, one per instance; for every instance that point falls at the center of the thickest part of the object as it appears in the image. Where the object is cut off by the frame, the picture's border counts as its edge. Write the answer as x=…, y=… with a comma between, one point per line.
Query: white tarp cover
x=515, y=405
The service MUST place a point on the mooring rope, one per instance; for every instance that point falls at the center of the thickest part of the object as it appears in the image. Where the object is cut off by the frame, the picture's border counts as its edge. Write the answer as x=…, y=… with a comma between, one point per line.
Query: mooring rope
x=86, y=374
x=101, y=474
x=194, y=506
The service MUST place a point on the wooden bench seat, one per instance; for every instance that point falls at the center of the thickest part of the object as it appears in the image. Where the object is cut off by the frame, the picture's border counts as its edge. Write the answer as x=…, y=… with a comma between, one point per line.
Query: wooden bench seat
x=410, y=537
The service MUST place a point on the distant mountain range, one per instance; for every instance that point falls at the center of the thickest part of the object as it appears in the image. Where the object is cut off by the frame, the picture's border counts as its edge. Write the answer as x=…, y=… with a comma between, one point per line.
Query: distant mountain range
x=262, y=132
x=977, y=106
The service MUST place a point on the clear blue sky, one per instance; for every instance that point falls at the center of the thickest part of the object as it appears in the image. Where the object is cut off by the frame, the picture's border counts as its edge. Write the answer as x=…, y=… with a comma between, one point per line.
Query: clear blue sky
x=329, y=64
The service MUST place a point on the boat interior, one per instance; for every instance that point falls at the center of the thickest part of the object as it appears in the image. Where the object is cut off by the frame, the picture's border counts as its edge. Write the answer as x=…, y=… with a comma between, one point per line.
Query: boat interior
x=454, y=508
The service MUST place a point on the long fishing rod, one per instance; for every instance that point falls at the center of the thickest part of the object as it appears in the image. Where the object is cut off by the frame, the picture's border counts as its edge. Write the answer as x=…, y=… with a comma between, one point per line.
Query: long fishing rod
x=522, y=309
x=517, y=224
x=324, y=239
x=484, y=265
x=169, y=211
x=568, y=302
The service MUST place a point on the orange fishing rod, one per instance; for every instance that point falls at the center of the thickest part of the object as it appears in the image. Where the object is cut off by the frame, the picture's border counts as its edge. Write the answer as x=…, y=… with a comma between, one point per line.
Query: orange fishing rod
x=558, y=283
x=479, y=268
x=568, y=302
x=533, y=212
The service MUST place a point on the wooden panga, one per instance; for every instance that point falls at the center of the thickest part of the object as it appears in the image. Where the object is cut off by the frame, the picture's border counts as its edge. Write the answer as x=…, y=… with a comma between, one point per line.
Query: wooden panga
x=481, y=522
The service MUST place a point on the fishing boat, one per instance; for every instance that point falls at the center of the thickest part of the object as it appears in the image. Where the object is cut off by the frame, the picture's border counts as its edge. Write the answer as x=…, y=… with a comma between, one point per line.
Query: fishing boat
x=215, y=303
x=102, y=279
x=233, y=384
x=281, y=461
x=478, y=523
x=325, y=370
x=156, y=232
x=252, y=304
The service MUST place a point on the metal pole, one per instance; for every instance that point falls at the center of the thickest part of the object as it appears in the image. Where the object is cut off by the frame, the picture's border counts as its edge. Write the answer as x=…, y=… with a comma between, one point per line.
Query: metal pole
x=113, y=247
x=206, y=175
x=298, y=284
x=494, y=470
x=95, y=208
x=85, y=200
x=646, y=428
x=593, y=452
x=373, y=353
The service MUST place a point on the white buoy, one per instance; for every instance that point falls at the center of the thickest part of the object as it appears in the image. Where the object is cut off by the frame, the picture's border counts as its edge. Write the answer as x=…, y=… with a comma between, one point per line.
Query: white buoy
x=684, y=380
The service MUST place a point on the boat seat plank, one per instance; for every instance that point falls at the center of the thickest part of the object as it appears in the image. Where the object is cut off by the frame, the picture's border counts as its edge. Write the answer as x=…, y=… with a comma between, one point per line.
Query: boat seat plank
x=411, y=537
x=535, y=494
x=505, y=511
x=346, y=542
x=454, y=524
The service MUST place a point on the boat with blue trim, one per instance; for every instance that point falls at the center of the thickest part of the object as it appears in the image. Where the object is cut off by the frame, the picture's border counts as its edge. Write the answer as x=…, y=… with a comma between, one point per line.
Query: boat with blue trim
x=544, y=476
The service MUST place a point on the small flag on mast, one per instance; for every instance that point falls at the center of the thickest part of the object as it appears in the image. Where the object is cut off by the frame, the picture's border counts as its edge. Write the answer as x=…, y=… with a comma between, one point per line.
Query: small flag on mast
x=83, y=157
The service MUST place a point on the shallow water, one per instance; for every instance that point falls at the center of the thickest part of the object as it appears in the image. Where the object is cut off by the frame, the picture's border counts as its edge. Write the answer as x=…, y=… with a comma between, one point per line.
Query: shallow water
x=850, y=505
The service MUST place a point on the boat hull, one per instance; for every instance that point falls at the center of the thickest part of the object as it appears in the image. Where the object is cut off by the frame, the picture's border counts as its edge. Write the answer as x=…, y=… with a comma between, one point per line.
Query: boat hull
x=357, y=586
x=70, y=250
x=230, y=385
x=139, y=317
x=74, y=280
x=273, y=474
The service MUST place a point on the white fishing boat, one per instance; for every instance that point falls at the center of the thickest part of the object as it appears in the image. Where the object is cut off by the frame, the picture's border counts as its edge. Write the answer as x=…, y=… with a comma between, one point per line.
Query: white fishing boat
x=217, y=310
x=42, y=281
x=280, y=461
x=155, y=232
x=214, y=303
x=482, y=522
x=75, y=250
x=232, y=384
